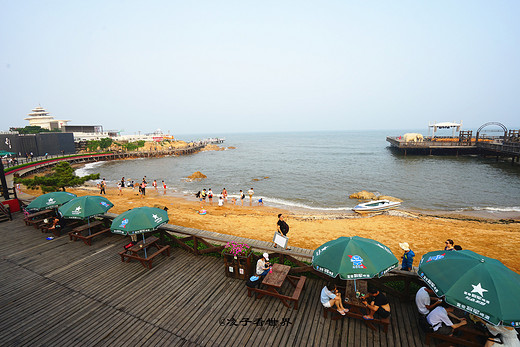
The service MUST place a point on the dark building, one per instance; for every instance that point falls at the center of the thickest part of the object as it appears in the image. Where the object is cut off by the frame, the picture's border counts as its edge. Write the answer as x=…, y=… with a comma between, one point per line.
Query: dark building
x=38, y=144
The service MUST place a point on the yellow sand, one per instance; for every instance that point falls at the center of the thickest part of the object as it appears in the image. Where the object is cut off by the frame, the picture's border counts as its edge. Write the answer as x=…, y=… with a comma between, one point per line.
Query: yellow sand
x=424, y=234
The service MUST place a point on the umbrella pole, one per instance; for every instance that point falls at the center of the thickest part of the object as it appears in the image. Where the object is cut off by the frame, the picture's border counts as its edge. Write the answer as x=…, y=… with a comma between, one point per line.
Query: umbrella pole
x=88, y=222
x=144, y=247
x=355, y=287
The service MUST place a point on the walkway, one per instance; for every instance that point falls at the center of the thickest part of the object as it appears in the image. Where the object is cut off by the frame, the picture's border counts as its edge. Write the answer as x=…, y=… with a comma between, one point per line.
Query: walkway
x=63, y=293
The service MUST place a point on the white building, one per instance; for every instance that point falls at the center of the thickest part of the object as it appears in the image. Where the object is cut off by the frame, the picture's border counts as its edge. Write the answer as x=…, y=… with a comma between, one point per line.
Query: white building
x=40, y=117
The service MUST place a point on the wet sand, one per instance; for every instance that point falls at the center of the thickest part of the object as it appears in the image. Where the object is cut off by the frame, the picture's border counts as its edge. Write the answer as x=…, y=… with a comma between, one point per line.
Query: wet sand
x=490, y=237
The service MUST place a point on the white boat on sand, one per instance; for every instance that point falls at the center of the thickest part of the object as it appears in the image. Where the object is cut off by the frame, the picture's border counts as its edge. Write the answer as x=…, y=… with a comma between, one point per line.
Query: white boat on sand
x=376, y=206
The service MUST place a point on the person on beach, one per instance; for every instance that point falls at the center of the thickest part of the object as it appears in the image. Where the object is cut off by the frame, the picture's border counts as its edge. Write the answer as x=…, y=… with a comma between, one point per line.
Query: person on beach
x=330, y=296
x=242, y=196
x=143, y=189
x=282, y=227
x=210, y=196
x=102, y=186
x=407, y=257
x=203, y=195
x=449, y=245
x=221, y=200
x=155, y=184
x=426, y=301
x=251, y=192
x=441, y=323
x=260, y=202
x=263, y=266
x=377, y=303
x=224, y=194
x=132, y=185
x=164, y=187
x=233, y=201
x=123, y=182
x=119, y=187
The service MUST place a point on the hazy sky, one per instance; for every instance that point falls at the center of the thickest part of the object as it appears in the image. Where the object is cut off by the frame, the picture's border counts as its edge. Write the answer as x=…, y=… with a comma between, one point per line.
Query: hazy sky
x=241, y=66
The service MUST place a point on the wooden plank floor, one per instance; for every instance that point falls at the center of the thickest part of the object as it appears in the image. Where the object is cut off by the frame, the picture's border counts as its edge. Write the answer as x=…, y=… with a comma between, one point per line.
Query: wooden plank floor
x=64, y=293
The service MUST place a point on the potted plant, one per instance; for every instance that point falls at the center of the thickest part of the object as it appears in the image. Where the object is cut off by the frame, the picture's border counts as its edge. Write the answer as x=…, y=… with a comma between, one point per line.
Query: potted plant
x=237, y=259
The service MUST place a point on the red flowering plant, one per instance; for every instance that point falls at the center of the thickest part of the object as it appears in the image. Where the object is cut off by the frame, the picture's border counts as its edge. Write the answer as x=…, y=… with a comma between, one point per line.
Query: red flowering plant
x=237, y=249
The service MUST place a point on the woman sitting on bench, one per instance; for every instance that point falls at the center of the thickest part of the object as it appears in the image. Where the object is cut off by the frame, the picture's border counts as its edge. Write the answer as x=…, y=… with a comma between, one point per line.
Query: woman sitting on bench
x=332, y=297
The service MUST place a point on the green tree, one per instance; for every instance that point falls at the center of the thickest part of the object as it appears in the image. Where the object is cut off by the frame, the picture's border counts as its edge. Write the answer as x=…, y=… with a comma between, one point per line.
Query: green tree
x=62, y=177
x=35, y=129
x=105, y=142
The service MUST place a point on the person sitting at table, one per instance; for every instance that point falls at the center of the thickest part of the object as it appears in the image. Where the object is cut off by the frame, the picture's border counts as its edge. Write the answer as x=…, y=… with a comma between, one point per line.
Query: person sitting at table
x=376, y=302
x=330, y=296
x=262, y=265
x=423, y=300
x=55, y=223
x=441, y=323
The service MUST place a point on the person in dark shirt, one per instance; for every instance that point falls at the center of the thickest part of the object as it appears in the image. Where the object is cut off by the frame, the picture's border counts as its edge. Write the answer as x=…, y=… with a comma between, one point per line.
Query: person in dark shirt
x=282, y=227
x=376, y=303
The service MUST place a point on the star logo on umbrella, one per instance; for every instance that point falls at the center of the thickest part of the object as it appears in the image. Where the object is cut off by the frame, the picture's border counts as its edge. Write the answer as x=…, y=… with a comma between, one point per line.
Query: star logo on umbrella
x=478, y=289
x=156, y=218
x=50, y=201
x=78, y=209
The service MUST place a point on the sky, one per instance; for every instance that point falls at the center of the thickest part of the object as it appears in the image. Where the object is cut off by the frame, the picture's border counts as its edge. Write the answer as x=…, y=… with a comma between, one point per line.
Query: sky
x=218, y=67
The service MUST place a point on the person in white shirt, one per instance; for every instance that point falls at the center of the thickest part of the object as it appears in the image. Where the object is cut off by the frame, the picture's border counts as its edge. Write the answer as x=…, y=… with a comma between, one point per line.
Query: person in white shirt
x=262, y=265
x=441, y=323
x=423, y=300
x=332, y=297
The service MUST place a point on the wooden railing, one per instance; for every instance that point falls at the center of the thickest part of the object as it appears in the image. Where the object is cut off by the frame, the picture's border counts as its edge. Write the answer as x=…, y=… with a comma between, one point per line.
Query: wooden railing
x=189, y=240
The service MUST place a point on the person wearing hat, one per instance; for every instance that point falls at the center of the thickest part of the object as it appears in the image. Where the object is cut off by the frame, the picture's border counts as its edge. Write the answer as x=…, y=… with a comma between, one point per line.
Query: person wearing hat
x=407, y=256
x=262, y=265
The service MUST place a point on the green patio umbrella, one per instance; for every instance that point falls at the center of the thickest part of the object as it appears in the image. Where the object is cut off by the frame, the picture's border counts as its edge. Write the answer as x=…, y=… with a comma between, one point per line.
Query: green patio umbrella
x=138, y=221
x=353, y=258
x=50, y=200
x=474, y=283
x=85, y=207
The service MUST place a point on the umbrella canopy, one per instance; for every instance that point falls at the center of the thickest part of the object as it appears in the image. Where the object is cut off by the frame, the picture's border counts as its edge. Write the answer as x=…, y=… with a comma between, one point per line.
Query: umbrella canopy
x=474, y=283
x=50, y=200
x=84, y=207
x=353, y=258
x=139, y=220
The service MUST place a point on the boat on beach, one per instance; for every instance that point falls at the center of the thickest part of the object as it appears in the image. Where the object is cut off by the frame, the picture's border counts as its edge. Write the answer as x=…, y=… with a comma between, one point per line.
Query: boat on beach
x=376, y=206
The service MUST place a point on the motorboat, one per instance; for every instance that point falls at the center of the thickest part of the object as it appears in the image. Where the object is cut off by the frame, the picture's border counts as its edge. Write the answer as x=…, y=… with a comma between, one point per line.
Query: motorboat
x=376, y=206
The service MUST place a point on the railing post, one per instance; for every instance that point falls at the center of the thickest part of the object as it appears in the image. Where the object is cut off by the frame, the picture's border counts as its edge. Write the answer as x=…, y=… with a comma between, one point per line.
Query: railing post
x=195, y=245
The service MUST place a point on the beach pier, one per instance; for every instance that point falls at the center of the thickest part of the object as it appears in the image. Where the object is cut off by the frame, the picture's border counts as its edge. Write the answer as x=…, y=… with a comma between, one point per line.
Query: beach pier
x=506, y=145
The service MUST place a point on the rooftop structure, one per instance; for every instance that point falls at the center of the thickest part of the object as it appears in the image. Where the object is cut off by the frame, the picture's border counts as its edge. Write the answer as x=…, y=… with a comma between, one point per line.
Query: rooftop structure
x=444, y=125
x=40, y=117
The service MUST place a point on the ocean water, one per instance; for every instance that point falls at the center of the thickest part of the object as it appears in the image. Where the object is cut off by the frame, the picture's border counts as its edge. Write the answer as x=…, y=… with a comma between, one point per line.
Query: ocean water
x=319, y=170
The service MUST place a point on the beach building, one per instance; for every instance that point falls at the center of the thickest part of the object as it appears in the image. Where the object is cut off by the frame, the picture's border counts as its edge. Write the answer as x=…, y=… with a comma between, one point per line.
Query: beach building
x=40, y=117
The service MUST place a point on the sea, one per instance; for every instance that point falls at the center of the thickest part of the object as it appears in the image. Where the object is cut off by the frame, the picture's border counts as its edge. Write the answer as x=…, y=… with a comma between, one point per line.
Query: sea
x=317, y=171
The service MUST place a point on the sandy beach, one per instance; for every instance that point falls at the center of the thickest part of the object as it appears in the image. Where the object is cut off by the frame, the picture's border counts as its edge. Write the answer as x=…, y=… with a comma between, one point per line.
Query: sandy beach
x=493, y=238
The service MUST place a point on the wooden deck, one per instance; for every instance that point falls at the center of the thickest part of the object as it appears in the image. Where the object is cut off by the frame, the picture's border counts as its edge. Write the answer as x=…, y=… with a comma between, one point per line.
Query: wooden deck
x=63, y=293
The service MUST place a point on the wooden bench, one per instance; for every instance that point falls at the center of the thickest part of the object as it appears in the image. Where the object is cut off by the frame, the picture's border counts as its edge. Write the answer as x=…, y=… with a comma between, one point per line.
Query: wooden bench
x=36, y=218
x=87, y=239
x=462, y=336
x=133, y=252
x=335, y=315
x=297, y=282
x=57, y=231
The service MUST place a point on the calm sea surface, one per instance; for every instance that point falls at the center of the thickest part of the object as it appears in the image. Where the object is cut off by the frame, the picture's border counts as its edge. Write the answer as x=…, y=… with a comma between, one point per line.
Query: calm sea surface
x=319, y=170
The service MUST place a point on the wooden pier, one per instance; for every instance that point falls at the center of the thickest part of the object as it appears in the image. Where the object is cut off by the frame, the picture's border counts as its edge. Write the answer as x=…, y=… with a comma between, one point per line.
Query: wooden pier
x=63, y=293
x=508, y=147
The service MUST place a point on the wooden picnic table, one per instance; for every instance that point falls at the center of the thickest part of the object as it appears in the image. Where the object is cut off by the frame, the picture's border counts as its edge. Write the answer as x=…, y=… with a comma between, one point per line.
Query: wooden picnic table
x=96, y=226
x=135, y=251
x=355, y=305
x=274, y=280
x=37, y=218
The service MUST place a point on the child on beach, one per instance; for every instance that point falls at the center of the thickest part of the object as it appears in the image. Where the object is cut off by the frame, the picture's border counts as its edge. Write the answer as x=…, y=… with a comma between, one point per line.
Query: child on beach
x=242, y=196
x=221, y=200
x=210, y=196
x=119, y=187
x=155, y=184
x=224, y=194
x=164, y=186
